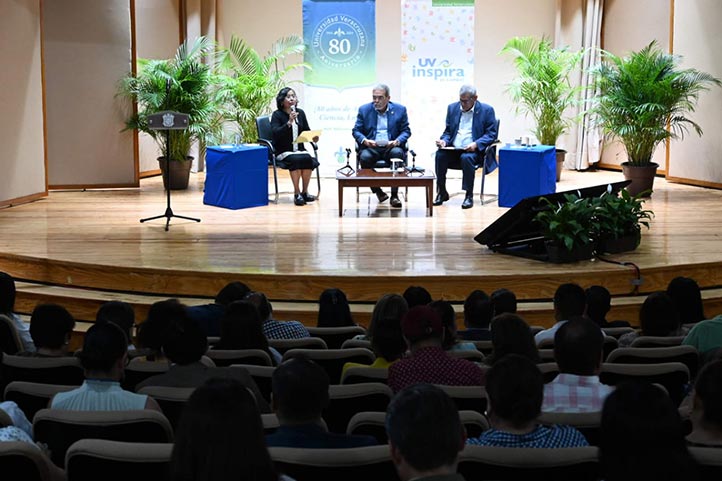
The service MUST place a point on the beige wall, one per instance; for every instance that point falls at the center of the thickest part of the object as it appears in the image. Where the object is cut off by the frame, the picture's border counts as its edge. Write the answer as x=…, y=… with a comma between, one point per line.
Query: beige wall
x=22, y=161
x=87, y=50
x=700, y=157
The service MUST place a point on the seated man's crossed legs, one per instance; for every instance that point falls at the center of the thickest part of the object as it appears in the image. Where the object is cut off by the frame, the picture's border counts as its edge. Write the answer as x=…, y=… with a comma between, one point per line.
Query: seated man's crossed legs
x=455, y=159
x=368, y=158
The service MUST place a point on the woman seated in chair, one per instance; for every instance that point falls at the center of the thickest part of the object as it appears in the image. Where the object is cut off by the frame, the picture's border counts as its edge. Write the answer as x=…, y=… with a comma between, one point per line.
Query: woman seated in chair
x=287, y=122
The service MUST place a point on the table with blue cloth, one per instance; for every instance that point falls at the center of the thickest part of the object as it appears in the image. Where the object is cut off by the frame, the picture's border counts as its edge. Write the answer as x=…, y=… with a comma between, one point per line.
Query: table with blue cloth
x=236, y=176
x=526, y=172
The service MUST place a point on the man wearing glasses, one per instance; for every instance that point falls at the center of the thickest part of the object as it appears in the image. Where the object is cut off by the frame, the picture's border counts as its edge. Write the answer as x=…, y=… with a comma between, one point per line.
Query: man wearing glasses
x=470, y=128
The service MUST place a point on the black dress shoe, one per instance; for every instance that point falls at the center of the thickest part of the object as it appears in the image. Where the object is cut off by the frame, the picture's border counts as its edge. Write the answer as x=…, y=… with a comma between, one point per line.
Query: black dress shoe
x=395, y=202
x=441, y=197
x=468, y=203
x=299, y=200
x=382, y=196
x=308, y=197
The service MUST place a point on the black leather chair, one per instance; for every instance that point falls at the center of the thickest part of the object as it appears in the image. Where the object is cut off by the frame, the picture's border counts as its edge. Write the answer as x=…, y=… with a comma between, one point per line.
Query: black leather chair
x=265, y=138
x=489, y=165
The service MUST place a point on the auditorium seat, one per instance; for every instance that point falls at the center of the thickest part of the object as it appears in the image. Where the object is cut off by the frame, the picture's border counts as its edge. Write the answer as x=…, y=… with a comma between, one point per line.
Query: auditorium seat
x=687, y=355
x=335, y=336
x=587, y=423
x=31, y=397
x=332, y=360
x=138, y=370
x=709, y=460
x=357, y=464
x=617, y=332
x=23, y=461
x=283, y=345
x=549, y=370
x=657, y=341
x=485, y=347
x=172, y=400
x=227, y=357
x=349, y=399
x=467, y=398
x=262, y=377
x=674, y=376
x=49, y=370
x=358, y=374
x=10, y=342
x=93, y=459
x=349, y=343
x=472, y=355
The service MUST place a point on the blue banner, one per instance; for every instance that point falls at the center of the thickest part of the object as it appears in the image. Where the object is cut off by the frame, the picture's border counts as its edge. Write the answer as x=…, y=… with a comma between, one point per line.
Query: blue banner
x=341, y=42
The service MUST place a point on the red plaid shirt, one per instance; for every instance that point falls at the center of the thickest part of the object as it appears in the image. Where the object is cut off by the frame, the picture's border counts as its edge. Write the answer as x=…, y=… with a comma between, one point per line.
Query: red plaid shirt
x=433, y=366
x=569, y=393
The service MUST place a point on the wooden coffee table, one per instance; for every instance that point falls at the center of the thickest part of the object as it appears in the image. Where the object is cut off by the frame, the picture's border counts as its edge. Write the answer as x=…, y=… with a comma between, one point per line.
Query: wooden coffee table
x=371, y=178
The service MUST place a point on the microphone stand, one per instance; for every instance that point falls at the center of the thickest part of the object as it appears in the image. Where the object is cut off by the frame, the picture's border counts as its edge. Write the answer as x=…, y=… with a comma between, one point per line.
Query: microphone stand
x=347, y=169
x=413, y=168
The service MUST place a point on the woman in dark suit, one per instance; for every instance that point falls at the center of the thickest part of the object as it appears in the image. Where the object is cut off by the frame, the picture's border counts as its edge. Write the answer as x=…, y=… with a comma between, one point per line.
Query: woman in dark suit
x=287, y=122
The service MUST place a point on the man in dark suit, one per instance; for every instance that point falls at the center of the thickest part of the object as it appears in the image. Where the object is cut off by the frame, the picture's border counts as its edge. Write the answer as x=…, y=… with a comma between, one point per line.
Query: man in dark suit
x=381, y=132
x=470, y=128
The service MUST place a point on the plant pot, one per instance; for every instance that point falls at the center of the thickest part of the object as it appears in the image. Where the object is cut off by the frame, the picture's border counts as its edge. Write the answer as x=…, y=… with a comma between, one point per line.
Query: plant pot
x=561, y=155
x=623, y=244
x=642, y=177
x=180, y=171
x=561, y=255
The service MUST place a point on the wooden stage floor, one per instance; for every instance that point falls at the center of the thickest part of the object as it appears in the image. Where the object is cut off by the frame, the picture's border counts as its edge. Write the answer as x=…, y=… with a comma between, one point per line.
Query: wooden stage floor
x=93, y=239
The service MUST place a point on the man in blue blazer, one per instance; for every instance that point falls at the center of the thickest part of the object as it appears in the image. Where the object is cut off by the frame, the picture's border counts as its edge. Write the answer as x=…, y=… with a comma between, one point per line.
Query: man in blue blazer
x=381, y=132
x=470, y=127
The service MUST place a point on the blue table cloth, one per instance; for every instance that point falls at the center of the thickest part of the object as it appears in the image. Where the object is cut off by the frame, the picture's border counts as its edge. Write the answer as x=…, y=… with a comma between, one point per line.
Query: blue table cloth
x=236, y=176
x=526, y=172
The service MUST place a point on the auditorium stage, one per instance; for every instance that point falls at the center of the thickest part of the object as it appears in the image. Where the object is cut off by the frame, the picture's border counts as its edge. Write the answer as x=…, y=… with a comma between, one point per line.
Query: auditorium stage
x=93, y=239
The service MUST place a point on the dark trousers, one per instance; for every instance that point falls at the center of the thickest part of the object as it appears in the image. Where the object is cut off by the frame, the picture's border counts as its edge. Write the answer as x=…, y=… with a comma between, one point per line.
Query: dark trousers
x=368, y=157
x=456, y=159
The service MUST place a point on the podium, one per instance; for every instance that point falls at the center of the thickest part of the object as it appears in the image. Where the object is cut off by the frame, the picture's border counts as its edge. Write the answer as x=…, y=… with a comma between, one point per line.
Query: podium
x=526, y=172
x=236, y=176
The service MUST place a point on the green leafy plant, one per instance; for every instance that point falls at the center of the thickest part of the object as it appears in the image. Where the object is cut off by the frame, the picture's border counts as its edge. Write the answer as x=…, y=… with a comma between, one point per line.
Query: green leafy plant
x=191, y=82
x=250, y=82
x=542, y=89
x=617, y=216
x=568, y=224
x=644, y=99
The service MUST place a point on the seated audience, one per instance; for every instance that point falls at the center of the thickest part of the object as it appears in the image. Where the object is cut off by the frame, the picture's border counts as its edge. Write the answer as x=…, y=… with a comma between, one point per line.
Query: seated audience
x=184, y=345
x=599, y=303
x=515, y=387
x=220, y=436
x=122, y=315
x=707, y=407
x=333, y=309
x=152, y=332
x=7, y=307
x=242, y=328
x=448, y=319
x=478, y=311
x=17, y=416
x=578, y=353
x=417, y=296
x=208, y=316
x=687, y=297
x=510, y=334
x=272, y=328
x=428, y=362
x=657, y=317
x=569, y=301
x=51, y=326
x=642, y=437
x=705, y=336
x=503, y=300
x=389, y=306
x=425, y=434
x=104, y=354
x=300, y=393
x=387, y=343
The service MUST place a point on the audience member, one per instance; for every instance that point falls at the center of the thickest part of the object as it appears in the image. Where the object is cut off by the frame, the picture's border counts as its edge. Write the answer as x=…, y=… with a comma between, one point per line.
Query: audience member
x=208, y=316
x=220, y=436
x=687, y=297
x=184, y=345
x=705, y=336
x=121, y=314
x=657, y=317
x=707, y=407
x=333, y=309
x=569, y=301
x=389, y=306
x=417, y=296
x=300, y=393
x=242, y=328
x=503, y=300
x=448, y=319
x=599, y=303
x=510, y=334
x=152, y=332
x=514, y=387
x=578, y=352
x=387, y=343
x=104, y=354
x=642, y=437
x=272, y=328
x=7, y=307
x=425, y=434
x=428, y=362
x=51, y=326
x=478, y=311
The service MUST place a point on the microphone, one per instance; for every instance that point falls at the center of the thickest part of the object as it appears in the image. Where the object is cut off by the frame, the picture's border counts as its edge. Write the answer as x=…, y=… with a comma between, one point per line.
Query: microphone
x=413, y=154
x=293, y=109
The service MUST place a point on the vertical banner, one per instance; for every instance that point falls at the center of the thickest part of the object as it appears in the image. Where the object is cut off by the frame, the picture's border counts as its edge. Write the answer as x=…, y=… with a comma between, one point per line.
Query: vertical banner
x=340, y=37
x=437, y=57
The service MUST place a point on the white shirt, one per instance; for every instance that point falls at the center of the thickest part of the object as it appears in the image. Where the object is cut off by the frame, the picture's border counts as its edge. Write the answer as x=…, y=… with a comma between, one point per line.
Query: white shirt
x=382, y=126
x=548, y=334
x=463, y=136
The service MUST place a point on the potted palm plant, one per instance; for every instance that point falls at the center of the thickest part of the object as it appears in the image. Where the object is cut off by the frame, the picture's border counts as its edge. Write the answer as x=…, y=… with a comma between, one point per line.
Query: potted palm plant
x=250, y=82
x=543, y=89
x=644, y=100
x=567, y=227
x=182, y=84
x=618, y=221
